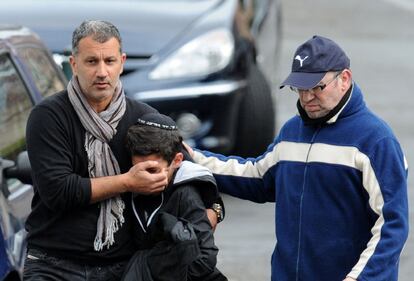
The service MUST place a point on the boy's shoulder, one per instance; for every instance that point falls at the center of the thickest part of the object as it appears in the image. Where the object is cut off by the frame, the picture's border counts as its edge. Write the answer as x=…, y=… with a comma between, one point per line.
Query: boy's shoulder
x=192, y=173
x=194, y=181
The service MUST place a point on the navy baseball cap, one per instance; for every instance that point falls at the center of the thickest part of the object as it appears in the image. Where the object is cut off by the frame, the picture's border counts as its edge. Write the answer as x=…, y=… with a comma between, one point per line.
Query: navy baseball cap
x=312, y=60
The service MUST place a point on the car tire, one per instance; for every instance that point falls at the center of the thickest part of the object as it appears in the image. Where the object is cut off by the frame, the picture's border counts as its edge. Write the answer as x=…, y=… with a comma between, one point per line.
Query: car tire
x=256, y=121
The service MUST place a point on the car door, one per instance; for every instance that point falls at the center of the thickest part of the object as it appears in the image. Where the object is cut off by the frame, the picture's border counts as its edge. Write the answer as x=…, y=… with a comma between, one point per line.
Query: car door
x=15, y=106
x=28, y=74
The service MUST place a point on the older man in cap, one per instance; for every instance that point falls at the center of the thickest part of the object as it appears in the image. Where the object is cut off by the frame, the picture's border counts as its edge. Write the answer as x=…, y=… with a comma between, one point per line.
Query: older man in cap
x=336, y=172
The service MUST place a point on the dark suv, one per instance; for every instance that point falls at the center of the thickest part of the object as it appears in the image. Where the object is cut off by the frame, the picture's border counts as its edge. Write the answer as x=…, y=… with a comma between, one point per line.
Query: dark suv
x=27, y=74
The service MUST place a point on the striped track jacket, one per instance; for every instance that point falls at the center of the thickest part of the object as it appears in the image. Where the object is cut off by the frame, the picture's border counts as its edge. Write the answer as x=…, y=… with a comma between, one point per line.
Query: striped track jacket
x=340, y=191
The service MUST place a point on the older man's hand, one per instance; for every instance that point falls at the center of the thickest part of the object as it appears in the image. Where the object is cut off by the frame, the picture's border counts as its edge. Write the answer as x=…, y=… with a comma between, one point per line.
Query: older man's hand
x=189, y=149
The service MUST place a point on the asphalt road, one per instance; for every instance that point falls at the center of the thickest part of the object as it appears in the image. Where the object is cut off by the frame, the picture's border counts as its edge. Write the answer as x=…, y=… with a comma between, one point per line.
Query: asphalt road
x=378, y=36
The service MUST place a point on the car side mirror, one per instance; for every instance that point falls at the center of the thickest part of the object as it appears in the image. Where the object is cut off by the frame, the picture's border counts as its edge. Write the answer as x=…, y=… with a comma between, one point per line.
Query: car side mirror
x=4, y=164
x=21, y=170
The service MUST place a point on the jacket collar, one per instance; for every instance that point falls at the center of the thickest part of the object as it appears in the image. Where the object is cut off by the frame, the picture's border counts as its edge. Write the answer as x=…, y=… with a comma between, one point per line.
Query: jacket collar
x=190, y=171
x=354, y=104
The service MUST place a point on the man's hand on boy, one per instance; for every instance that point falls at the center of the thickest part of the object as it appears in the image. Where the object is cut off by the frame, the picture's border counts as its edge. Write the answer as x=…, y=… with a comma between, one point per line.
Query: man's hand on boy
x=189, y=149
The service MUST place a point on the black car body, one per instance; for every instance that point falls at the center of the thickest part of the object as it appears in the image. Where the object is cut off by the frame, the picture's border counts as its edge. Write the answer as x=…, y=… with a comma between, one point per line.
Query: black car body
x=27, y=75
x=194, y=60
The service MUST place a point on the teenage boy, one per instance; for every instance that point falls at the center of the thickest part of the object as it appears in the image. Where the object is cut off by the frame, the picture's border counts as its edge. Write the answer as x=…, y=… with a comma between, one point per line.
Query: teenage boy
x=172, y=229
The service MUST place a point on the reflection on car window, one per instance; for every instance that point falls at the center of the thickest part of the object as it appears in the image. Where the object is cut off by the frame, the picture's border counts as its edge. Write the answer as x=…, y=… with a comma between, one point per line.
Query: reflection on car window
x=44, y=76
x=15, y=105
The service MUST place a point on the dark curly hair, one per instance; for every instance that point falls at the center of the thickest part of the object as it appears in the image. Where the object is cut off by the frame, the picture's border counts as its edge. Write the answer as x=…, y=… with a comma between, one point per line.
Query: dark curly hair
x=144, y=140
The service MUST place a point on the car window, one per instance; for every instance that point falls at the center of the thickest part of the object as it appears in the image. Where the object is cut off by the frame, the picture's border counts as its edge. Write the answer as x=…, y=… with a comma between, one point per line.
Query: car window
x=15, y=105
x=44, y=75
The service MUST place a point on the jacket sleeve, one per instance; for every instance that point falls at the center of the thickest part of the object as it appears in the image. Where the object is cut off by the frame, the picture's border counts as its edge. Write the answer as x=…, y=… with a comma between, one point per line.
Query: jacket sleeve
x=250, y=179
x=51, y=157
x=385, y=180
x=192, y=209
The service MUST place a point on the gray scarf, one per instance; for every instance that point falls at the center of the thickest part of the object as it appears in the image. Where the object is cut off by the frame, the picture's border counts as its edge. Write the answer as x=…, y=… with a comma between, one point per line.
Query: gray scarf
x=100, y=129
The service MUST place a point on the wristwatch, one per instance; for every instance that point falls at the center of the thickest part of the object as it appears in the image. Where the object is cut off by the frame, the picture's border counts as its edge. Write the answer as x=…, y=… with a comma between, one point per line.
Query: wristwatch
x=219, y=211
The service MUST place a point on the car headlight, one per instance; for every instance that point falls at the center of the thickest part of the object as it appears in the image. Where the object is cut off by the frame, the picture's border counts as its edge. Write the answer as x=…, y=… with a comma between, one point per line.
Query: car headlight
x=203, y=55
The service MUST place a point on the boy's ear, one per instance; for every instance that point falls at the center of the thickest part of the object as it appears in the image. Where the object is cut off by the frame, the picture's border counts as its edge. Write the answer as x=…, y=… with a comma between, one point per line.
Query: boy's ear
x=177, y=160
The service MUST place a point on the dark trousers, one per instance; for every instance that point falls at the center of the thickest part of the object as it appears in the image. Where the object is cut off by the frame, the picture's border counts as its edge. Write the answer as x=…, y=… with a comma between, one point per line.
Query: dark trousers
x=40, y=266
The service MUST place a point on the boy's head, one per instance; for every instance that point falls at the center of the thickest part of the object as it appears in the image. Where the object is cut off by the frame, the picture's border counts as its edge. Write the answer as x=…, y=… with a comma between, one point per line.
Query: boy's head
x=155, y=137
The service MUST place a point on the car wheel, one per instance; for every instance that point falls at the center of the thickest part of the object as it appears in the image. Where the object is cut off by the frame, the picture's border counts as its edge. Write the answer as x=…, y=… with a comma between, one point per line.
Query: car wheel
x=256, y=122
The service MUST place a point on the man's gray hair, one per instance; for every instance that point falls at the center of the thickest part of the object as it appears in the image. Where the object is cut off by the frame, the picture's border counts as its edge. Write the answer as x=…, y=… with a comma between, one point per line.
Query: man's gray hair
x=100, y=31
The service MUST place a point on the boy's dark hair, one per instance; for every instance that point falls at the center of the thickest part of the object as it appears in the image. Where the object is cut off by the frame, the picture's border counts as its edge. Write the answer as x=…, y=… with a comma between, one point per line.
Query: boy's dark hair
x=154, y=133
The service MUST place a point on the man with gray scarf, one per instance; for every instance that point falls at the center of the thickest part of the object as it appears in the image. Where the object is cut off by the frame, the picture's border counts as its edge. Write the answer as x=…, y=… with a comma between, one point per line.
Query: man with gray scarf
x=79, y=227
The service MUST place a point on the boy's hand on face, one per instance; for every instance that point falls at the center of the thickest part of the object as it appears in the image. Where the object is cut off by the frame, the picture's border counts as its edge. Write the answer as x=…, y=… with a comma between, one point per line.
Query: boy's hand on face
x=147, y=177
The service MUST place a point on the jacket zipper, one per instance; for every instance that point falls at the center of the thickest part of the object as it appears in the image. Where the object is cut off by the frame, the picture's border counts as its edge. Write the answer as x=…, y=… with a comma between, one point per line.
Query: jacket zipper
x=145, y=225
x=301, y=201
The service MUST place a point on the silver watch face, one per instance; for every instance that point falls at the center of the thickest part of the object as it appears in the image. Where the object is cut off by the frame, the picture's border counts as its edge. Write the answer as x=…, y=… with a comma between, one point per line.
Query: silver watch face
x=218, y=210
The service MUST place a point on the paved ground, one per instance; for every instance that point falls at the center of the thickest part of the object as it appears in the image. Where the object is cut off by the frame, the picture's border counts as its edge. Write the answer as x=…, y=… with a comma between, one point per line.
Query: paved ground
x=378, y=36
